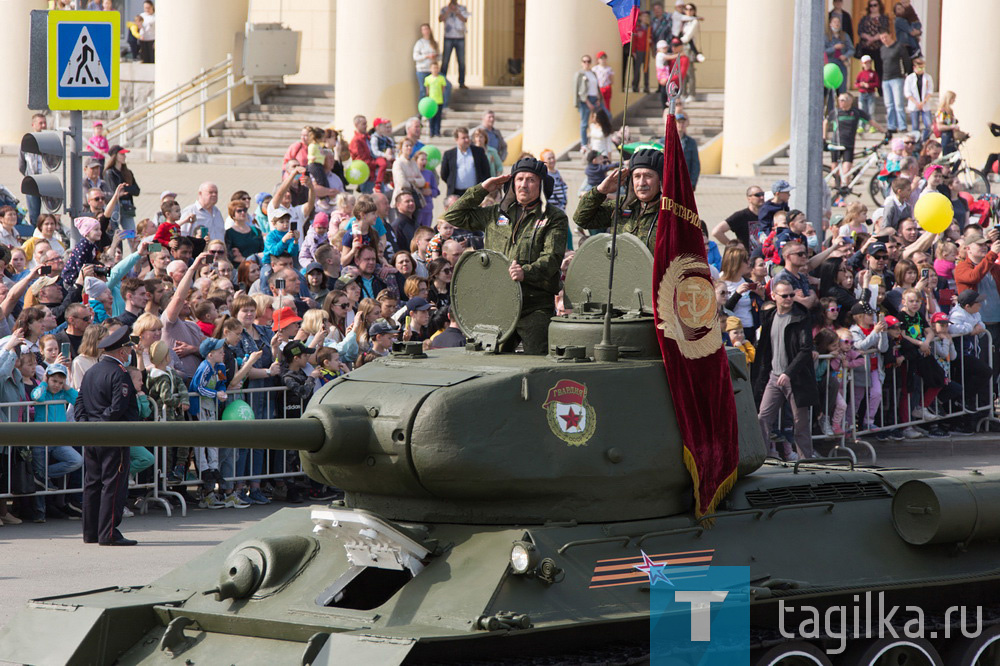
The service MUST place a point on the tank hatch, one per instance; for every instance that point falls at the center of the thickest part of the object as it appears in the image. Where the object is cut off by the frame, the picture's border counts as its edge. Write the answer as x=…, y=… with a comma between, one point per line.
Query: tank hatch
x=487, y=303
x=587, y=277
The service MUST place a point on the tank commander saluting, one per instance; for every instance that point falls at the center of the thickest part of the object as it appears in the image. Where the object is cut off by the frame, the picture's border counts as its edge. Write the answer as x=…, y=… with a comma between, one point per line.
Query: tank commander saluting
x=531, y=233
x=641, y=207
x=107, y=394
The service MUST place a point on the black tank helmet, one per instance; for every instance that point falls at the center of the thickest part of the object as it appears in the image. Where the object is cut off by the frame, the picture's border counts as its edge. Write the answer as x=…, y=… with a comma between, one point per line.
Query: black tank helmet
x=527, y=165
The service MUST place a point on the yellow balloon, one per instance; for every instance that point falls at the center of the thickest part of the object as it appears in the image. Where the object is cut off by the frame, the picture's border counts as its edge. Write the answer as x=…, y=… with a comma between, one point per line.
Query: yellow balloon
x=934, y=212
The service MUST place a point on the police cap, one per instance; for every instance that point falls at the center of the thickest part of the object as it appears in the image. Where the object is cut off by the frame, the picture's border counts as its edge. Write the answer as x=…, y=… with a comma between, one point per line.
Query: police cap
x=115, y=340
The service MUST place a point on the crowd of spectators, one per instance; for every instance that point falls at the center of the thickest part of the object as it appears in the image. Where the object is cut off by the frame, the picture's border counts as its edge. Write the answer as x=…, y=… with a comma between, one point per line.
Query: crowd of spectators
x=881, y=329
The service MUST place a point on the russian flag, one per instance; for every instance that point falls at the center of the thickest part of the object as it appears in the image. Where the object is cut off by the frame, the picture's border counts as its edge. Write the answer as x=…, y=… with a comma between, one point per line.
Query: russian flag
x=627, y=13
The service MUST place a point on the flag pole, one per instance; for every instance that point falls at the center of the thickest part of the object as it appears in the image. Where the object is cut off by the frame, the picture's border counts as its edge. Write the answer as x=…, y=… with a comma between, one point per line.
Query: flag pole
x=605, y=350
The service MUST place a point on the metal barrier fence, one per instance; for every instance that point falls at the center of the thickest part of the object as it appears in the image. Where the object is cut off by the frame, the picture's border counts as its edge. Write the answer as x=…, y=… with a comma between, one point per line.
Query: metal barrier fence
x=852, y=414
x=273, y=465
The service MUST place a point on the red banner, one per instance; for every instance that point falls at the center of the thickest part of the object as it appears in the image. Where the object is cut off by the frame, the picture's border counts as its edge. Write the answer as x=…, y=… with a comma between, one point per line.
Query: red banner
x=567, y=392
x=686, y=315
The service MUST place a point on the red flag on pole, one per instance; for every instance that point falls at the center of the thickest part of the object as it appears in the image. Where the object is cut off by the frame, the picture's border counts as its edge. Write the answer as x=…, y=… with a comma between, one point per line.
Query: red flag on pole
x=685, y=310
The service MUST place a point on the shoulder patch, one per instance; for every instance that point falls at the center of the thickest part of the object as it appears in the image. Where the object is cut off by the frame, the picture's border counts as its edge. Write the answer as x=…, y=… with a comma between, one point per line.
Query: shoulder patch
x=502, y=221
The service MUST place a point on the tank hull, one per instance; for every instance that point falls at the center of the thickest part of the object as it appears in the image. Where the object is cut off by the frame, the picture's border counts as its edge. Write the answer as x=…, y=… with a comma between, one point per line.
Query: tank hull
x=465, y=600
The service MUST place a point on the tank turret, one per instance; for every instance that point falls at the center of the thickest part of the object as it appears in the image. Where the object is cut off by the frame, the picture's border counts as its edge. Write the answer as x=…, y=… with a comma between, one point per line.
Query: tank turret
x=470, y=435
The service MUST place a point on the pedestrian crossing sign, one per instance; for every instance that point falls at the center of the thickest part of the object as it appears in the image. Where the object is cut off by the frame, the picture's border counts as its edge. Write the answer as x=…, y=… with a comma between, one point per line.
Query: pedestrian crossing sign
x=83, y=51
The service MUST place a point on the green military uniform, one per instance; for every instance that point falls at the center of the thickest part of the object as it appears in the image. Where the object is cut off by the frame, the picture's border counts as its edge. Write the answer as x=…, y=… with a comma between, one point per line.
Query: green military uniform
x=595, y=211
x=536, y=239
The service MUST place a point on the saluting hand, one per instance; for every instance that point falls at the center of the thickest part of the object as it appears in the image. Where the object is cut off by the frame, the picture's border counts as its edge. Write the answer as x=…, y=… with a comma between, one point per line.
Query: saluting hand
x=609, y=185
x=493, y=184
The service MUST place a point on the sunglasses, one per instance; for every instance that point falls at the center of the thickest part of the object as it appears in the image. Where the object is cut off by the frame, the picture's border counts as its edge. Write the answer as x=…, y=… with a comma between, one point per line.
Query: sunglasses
x=881, y=257
x=757, y=194
x=240, y=210
x=585, y=62
x=833, y=309
x=216, y=251
x=784, y=295
x=342, y=306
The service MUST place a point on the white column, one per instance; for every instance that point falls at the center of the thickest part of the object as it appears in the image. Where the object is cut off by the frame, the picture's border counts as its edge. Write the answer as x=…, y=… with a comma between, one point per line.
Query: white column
x=15, y=117
x=192, y=35
x=556, y=34
x=377, y=80
x=757, y=114
x=970, y=66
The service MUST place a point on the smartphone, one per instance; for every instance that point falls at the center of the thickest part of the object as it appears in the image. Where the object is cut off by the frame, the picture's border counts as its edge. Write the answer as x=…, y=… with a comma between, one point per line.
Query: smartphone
x=155, y=247
x=86, y=298
x=45, y=270
x=65, y=349
x=128, y=233
x=279, y=283
x=925, y=273
x=294, y=225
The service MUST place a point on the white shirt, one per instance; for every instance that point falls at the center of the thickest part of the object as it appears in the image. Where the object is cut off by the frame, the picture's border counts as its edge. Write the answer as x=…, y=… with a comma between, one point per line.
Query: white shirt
x=454, y=27
x=147, y=32
x=465, y=169
x=203, y=217
x=592, y=88
x=421, y=50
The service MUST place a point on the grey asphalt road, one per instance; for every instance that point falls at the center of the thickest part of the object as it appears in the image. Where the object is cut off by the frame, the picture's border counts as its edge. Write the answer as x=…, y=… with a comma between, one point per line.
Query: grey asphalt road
x=51, y=558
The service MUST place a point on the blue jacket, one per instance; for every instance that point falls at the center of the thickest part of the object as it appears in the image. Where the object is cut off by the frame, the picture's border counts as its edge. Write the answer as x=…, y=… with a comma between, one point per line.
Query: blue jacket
x=273, y=245
x=206, y=383
x=121, y=269
x=52, y=413
x=690, y=148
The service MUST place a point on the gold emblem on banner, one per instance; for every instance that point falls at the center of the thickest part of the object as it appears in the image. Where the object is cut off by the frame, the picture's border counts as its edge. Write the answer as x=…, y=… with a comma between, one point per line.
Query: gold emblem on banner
x=686, y=305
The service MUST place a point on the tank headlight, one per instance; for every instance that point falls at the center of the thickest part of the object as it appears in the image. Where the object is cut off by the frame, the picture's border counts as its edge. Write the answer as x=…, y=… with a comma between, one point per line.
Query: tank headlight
x=523, y=557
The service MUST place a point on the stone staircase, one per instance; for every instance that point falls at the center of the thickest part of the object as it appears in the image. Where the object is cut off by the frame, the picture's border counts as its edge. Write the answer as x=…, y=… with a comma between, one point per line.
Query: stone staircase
x=264, y=132
x=645, y=120
x=776, y=165
x=466, y=107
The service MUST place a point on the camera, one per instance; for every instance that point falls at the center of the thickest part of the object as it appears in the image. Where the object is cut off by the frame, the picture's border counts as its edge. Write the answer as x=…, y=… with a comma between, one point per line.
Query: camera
x=279, y=283
x=45, y=270
x=100, y=271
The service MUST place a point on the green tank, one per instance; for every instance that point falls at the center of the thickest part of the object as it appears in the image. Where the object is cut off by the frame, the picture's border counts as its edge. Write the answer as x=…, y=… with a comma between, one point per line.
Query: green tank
x=497, y=504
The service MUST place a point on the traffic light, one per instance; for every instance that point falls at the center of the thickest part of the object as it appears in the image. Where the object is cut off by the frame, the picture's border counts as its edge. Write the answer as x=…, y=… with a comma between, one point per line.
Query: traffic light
x=48, y=186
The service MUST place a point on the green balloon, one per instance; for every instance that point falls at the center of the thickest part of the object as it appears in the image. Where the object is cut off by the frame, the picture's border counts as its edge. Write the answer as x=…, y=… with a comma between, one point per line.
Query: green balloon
x=357, y=172
x=433, y=155
x=238, y=410
x=832, y=76
x=427, y=107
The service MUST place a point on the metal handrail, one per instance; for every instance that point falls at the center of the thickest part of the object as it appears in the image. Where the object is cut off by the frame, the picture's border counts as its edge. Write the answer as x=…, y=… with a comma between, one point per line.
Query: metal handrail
x=190, y=97
x=120, y=125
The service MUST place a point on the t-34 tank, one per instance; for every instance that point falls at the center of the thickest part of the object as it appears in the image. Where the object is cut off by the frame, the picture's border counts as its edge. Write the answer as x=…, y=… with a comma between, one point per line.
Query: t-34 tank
x=497, y=506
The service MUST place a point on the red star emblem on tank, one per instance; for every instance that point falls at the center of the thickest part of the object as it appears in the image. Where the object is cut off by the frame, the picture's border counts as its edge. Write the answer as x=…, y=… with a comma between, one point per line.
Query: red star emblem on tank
x=571, y=418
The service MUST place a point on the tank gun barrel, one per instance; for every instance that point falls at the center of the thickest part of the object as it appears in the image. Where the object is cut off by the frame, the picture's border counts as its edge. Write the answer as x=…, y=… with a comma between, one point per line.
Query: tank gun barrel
x=303, y=434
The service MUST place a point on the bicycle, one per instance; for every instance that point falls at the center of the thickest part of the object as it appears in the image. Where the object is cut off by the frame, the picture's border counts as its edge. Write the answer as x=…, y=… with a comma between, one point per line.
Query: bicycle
x=975, y=181
x=870, y=159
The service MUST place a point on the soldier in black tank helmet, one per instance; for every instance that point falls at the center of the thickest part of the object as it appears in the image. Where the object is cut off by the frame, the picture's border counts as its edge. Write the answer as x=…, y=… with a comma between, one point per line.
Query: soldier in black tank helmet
x=524, y=228
x=641, y=207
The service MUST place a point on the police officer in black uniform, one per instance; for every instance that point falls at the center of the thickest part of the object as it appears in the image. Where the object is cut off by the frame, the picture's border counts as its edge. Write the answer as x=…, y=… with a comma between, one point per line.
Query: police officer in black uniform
x=107, y=394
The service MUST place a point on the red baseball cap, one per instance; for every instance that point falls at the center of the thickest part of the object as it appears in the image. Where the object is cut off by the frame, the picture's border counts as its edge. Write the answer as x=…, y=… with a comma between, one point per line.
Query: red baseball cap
x=939, y=316
x=286, y=316
x=602, y=54
x=891, y=321
x=379, y=121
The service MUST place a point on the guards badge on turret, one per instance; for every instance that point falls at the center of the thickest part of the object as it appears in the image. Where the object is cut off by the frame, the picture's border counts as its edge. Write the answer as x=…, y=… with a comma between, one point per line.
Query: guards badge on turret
x=571, y=418
x=686, y=290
